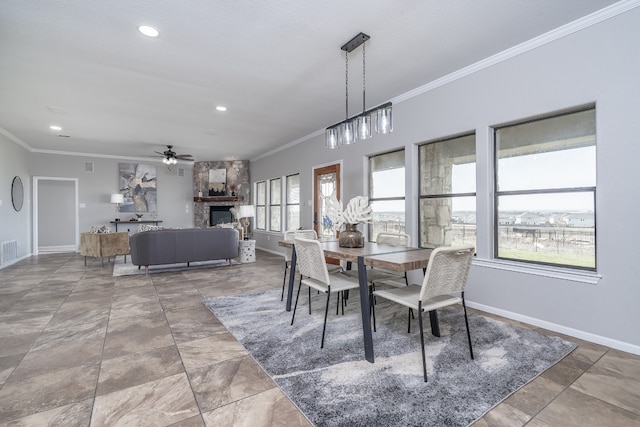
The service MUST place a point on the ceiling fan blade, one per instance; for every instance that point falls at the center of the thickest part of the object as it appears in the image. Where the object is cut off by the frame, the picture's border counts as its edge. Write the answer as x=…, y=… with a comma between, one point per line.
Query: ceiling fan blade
x=157, y=152
x=184, y=157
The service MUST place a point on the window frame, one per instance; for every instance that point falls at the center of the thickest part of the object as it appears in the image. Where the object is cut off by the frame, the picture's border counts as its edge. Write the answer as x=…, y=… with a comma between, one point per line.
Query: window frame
x=258, y=205
x=287, y=203
x=421, y=196
x=276, y=205
x=560, y=190
x=385, y=199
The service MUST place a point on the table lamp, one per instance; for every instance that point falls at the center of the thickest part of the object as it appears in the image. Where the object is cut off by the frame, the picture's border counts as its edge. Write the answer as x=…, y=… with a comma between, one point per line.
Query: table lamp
x=246, y=212
x=117, y=199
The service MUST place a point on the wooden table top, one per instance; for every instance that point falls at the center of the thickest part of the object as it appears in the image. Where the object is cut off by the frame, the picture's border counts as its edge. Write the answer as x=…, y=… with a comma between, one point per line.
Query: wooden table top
x=388, y=257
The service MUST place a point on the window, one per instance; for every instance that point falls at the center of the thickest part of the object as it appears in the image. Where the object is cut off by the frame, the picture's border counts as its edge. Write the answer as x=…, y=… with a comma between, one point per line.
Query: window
x=293, y=202
x=545, y=190
x=275, y=207
x=386, y=193
x=447, y=209
x=261, y=205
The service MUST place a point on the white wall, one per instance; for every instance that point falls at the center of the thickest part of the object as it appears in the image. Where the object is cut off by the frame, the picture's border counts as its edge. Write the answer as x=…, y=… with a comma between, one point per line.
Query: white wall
x=601, y=64
x=174, y=193
x=14, y=161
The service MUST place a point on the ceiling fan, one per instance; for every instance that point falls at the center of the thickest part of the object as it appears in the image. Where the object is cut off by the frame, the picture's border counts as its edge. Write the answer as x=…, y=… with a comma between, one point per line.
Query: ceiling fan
x=170, y=157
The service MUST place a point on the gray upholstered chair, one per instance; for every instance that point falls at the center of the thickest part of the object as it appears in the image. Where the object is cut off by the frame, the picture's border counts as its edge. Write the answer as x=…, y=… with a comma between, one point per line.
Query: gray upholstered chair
x=443, y=285
x=314, y=274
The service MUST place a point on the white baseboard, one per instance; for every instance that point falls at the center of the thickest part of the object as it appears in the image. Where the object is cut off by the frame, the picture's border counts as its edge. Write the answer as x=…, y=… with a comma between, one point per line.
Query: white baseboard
x=57, y=249
x=14, y=261
x=586, y=336
x=270, y=251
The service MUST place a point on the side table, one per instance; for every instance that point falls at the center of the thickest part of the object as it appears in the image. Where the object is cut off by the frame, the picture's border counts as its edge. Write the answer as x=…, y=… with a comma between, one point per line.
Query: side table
x=246, y=251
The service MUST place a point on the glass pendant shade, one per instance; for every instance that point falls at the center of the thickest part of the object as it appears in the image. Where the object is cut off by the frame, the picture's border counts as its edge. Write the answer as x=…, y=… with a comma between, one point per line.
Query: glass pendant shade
x=363, y=126
x=346, y=134
x=331, y=136
x=384, y=120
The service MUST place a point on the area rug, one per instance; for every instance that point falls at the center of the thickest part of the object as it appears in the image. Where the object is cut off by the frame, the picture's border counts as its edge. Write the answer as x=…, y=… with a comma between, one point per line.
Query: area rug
x=128, y=269
x=335, y=386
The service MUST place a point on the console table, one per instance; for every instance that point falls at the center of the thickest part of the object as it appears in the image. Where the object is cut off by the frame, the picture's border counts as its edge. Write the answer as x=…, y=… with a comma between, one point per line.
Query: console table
x=153, y=221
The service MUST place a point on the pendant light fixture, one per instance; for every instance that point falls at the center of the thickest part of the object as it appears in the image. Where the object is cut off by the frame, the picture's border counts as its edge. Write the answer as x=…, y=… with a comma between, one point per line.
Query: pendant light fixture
x=362, y=126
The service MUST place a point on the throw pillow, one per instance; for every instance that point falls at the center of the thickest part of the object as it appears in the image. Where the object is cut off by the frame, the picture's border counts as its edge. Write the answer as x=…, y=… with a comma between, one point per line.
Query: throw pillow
x=148, y=227
x=99, y=229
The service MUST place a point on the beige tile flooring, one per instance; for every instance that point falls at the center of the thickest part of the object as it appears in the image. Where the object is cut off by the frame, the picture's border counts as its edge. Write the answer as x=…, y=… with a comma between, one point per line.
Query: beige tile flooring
x=80, y=347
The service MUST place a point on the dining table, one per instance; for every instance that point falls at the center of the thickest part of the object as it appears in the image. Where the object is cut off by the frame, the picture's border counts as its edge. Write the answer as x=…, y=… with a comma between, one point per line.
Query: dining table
x=372, y=255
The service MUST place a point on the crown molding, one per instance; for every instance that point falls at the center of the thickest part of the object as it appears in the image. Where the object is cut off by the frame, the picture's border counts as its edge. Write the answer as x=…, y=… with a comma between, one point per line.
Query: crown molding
x=543, y=39
x=15, y=139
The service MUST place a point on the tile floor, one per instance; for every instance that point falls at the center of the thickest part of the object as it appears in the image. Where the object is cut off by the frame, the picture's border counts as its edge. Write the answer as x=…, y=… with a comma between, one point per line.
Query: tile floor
x=80, y=347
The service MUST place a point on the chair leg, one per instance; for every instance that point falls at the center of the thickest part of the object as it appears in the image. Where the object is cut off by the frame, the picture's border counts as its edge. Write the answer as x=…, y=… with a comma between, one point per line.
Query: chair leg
x=338, y=304
x=466, y=322
x=296, y=304
x=424, y=358
x=284, y=280
x=372, y=308
x=309, y=299
x=409, y=316
x=326, y=311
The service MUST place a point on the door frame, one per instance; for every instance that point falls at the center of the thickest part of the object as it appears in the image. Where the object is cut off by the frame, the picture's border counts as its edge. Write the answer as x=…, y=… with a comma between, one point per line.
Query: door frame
x=34, y=212
x=314, y=169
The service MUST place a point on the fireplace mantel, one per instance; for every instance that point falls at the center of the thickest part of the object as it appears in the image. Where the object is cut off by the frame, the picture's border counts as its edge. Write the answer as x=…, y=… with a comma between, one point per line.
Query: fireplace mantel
x=218, y=199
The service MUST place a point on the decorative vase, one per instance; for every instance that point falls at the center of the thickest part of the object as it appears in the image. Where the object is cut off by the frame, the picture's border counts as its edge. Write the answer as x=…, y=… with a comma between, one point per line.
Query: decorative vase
x=351, y=237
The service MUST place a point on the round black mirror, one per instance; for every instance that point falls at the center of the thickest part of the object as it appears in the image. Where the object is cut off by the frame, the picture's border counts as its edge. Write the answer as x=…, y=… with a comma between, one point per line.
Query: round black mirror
x=17, y=193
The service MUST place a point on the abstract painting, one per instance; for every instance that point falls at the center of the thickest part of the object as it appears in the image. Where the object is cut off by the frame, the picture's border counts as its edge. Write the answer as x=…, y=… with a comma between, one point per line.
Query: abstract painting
x=138, y=184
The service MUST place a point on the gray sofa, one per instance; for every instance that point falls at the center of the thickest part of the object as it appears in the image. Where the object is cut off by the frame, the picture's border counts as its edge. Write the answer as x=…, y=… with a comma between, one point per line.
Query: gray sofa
x=177, y=246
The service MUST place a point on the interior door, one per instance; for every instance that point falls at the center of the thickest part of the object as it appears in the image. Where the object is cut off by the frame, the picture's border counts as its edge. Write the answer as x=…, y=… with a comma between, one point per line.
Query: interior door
x=326, y=179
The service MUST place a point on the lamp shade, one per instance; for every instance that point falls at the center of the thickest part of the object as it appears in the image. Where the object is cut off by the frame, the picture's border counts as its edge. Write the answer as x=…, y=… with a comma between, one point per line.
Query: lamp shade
x=117, y=198
x=246, y=211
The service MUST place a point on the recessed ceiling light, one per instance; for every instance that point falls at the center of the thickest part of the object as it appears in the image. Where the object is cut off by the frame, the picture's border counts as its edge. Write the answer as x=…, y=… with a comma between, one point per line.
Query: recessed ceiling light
x=54, y=127
x=148, y=31
x=221, y=108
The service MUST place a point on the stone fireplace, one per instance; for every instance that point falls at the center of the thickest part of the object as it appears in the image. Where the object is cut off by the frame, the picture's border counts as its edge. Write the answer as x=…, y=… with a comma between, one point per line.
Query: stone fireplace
x=237, y=182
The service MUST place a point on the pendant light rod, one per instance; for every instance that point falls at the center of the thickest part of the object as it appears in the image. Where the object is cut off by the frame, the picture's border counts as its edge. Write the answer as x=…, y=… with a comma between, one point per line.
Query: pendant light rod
x=361, y=126
x=355, y=42
x=379, y=107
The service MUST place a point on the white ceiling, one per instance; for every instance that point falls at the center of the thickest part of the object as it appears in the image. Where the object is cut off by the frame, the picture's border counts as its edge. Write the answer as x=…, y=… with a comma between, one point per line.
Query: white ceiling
x=276, y=65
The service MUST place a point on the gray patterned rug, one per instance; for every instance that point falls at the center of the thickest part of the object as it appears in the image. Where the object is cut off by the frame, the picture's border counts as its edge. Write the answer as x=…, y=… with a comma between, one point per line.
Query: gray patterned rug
x=335, y=386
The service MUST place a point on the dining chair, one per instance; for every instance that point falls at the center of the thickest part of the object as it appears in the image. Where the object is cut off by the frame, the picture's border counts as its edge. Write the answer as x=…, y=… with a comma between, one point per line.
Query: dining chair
x=289, y=235
x=443, y=285
x=314, y=274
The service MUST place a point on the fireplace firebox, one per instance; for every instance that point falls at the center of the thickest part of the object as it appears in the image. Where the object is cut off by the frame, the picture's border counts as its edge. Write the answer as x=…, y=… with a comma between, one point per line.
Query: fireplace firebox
x=220, y=215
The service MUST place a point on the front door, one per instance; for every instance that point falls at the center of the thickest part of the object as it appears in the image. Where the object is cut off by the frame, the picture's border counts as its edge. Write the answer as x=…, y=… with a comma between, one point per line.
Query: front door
x=326, y=179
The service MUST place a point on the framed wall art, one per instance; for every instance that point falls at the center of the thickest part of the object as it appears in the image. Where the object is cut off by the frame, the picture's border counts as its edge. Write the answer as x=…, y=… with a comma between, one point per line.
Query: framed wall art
x=217, y=182
x=138, y=185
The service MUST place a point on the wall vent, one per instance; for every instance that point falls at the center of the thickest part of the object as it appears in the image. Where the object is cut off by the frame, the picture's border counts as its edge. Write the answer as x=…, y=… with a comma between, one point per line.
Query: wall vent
x=88, y=167
x=180, y=171
x=8, y=252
